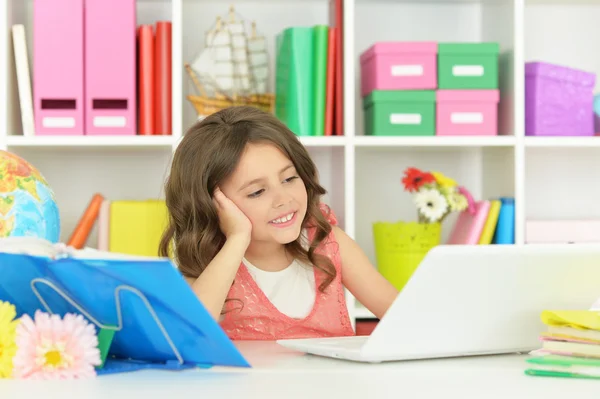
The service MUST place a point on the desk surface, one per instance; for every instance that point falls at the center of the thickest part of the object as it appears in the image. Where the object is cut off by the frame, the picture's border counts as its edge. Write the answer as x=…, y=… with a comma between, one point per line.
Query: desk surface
x=282, y=373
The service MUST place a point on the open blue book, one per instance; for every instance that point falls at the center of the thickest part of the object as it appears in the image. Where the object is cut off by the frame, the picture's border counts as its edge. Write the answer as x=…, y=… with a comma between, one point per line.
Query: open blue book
x=153, y=317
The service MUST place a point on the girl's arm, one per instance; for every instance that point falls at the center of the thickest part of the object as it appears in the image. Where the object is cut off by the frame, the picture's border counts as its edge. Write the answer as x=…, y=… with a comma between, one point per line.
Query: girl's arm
x=212, y=286
x=363, y=280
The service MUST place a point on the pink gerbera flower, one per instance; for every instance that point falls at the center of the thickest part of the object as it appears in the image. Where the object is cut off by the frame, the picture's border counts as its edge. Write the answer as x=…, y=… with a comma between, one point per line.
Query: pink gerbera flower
x=53, y=348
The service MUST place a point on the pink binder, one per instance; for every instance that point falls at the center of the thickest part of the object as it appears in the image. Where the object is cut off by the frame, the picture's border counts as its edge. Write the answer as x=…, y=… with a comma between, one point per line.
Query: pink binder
x=468, y=227
x=110, y=67
x=58, y=100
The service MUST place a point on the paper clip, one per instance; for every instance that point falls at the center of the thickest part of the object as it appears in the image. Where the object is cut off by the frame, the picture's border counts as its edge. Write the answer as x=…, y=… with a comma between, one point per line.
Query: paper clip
x=119, y=327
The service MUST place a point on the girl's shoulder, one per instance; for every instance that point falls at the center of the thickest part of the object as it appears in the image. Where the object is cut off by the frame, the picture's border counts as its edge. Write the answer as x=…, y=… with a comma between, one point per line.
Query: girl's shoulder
x=328, y=213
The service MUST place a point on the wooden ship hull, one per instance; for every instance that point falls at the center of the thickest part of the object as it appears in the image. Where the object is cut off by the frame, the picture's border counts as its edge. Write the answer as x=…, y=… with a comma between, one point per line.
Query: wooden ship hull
x=206, y=105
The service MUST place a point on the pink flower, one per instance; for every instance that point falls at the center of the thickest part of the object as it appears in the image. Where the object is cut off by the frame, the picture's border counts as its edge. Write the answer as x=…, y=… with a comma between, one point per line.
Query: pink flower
x=469, y=197
x=53, y=348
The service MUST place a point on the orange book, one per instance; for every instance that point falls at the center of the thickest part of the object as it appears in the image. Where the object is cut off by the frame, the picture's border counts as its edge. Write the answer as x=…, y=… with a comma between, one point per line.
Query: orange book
x=146, y=79
x=162, y=78
x=86, y=223
x=330, y=93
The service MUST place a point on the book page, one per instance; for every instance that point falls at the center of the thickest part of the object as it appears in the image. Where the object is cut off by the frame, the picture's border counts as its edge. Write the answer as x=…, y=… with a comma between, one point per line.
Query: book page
x=92, y=253
x=40, y=247
x=30, y=246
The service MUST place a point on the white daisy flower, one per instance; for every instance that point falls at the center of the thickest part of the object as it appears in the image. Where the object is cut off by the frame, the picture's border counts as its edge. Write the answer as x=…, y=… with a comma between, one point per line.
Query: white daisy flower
x=431, y=204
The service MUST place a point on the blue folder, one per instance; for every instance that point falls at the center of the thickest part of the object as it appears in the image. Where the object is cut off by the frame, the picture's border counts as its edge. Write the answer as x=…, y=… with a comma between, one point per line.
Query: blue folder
x=159, y=321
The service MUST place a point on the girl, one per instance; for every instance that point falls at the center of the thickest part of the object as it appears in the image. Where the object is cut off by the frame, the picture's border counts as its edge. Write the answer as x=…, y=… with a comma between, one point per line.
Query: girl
x=251, y=237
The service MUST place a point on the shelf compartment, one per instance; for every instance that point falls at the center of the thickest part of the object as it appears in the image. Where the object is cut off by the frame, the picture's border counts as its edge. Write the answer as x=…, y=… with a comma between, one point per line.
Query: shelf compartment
x=487, y=172
x=147, y=12
x=410, y=21
x=551, y=28
x=75, y=176
x=271, y=18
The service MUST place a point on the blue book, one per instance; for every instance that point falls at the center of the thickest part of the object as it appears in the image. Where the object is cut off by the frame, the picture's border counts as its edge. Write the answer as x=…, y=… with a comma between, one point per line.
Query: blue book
x=505, y=229
x=156, y=319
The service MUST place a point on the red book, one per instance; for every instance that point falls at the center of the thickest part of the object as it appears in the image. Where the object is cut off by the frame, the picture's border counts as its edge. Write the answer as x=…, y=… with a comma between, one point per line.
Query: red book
x=330, y=93
x=336, y=18
x=162, y=81
x=146, y=79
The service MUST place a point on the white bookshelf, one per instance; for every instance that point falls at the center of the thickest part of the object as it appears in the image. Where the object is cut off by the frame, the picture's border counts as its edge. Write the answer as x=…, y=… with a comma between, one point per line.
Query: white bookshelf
x=361, y=173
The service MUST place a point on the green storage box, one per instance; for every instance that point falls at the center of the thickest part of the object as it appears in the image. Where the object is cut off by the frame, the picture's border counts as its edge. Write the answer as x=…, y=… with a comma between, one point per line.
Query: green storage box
x=400, y=113
x=468, y=65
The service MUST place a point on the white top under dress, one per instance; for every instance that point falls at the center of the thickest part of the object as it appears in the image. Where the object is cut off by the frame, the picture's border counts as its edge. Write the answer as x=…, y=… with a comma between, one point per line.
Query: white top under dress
x=291, y=290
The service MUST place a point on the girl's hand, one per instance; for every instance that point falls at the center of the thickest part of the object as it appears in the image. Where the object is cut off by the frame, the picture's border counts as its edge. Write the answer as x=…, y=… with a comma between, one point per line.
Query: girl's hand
x=233, y=222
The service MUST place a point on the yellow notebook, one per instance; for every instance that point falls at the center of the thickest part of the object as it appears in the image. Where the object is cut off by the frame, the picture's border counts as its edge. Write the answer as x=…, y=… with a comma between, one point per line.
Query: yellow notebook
x=580, y=319
x=487, y=234
x=137, y=226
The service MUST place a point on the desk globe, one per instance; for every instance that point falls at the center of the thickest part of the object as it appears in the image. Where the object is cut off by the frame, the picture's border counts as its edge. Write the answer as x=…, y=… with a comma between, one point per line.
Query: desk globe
x=27, y=204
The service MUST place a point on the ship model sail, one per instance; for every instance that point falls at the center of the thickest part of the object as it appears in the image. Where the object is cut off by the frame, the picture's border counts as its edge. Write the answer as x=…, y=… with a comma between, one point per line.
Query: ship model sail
x=232, y=69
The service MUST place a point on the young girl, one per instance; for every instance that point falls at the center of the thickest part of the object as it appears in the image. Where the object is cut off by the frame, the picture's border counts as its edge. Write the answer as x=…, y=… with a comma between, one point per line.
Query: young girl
x=250, y=235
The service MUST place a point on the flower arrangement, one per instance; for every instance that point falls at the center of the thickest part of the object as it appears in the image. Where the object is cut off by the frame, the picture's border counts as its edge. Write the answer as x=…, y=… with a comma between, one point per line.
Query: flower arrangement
x=436, y=195
x=47, y=346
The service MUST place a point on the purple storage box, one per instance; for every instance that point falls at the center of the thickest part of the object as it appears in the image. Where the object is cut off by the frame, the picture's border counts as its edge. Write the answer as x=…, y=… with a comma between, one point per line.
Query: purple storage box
x=558, y=100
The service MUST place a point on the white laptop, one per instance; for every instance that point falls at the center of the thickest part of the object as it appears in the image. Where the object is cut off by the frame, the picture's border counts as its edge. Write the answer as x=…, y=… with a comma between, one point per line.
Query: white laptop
x=473, y=300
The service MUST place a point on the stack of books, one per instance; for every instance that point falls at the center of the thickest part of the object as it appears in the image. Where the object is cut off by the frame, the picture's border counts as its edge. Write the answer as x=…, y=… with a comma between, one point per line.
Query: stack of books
x=308, y=82
x=570, y=346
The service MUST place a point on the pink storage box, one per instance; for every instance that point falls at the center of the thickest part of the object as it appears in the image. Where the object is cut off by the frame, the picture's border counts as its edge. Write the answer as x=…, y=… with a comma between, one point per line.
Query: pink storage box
x=399, y=66
x=58, y=102
x=110, y=67
x=467, y=112
x=562, y=231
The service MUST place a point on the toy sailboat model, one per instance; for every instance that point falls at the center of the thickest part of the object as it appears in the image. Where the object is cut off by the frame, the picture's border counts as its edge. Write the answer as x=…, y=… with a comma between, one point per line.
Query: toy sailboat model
x=232, y=69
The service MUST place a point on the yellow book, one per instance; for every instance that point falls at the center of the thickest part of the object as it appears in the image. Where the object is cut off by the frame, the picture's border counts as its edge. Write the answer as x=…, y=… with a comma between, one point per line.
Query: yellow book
x=487, y=234
x=578, y=319
x=136, y=227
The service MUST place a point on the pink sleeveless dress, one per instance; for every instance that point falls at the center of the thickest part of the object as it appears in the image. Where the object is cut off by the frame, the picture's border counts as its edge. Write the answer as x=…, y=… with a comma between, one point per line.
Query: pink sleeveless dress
x=259, y=319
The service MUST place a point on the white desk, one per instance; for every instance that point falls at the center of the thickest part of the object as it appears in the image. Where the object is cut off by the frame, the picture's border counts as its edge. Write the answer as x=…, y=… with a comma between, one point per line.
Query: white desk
x=283, y=374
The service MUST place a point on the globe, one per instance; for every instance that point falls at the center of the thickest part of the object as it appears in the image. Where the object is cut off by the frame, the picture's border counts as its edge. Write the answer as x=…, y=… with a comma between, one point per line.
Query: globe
x=27, y=204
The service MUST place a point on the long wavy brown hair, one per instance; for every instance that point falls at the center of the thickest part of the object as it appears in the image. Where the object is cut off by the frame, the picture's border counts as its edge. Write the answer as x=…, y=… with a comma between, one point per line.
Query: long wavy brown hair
x=207, y=155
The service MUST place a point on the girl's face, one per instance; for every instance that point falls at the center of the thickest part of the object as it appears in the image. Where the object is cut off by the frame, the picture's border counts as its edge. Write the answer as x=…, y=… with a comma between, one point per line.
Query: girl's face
x=269, y=191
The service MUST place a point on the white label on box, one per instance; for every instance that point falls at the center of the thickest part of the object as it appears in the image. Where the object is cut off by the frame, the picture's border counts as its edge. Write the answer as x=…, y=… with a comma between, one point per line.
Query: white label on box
x=405, y=119
x=59, y=122
x=407, y=70
x=466, y=117
x=467, y=70
x=109, y=121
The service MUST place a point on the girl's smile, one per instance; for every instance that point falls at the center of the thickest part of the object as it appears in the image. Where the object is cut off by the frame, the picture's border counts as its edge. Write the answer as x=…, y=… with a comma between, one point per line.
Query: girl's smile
x=286, y=220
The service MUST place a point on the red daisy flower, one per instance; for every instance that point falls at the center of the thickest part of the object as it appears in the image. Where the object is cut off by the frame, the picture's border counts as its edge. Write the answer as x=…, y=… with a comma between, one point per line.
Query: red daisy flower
x=414, y=179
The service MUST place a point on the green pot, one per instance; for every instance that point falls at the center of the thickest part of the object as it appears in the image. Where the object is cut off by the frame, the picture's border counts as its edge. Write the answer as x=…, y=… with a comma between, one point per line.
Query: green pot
x=400, y=247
